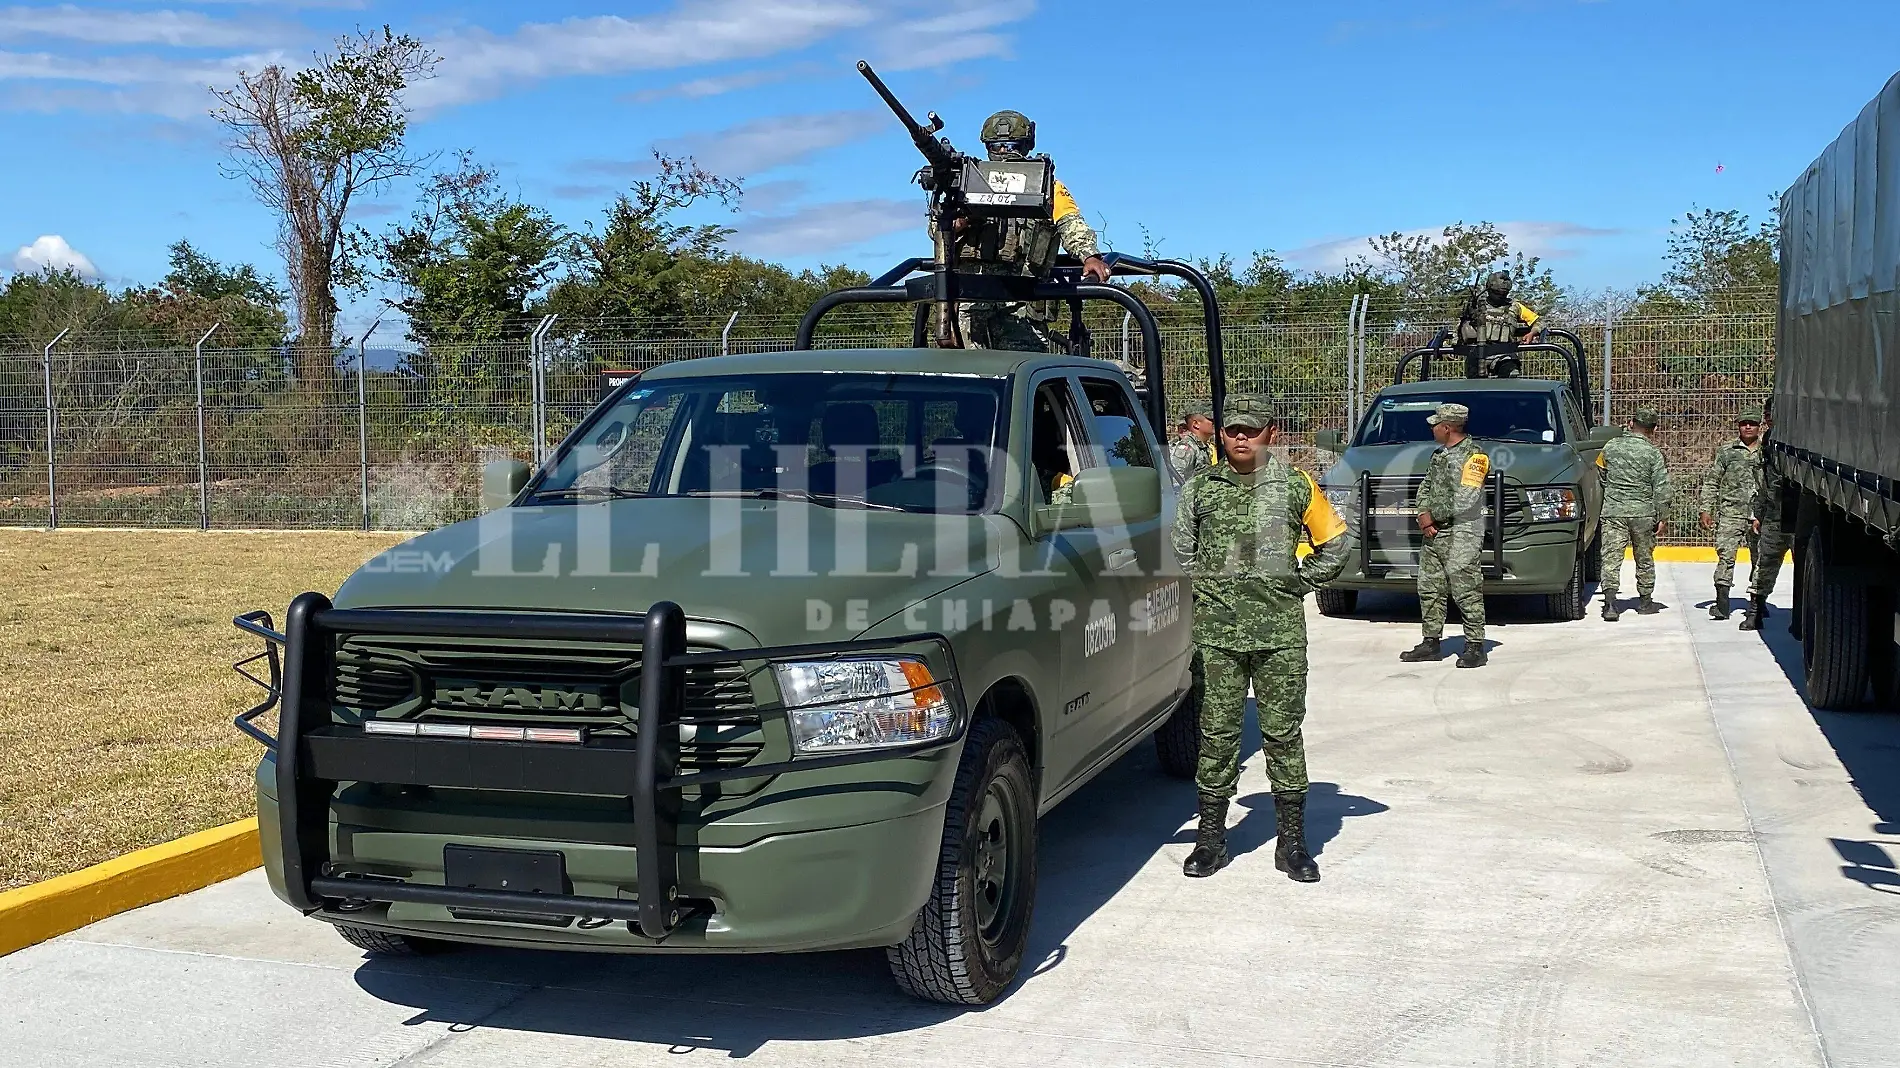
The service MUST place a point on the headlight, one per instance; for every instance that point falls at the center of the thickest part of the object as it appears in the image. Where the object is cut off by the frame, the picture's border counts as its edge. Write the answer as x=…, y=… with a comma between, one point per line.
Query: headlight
x=1551, y=504
x=837, y=706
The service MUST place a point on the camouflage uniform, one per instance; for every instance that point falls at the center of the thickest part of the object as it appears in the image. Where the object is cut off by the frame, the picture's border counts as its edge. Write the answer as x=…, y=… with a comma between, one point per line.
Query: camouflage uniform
x=1019, y=247
x=1450, y=566
x=1635, y=499
x=1771, y=543
x=1728, y=497
x=1190, y=454
x=1237, y=536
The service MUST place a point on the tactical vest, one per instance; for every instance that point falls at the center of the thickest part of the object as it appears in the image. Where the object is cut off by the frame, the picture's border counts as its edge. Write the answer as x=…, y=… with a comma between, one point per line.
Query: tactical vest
x=1499, y=323
x=1017, y=246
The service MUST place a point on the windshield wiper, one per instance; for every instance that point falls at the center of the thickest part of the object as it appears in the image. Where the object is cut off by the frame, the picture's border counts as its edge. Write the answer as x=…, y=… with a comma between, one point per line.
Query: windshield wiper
x=772, y=493
x=572, y=493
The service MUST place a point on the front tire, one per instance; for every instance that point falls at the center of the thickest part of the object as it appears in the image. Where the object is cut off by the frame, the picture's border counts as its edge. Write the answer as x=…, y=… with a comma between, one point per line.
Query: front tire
x=968, y=942
x=1178, y=742
x=1568, y=603
x=1337, y=602
x=1837, y=635
x=385, y=944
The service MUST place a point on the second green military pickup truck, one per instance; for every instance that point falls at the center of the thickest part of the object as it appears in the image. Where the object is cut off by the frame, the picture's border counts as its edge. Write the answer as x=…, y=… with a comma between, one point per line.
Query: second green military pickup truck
x=778, y=653
x=1543, y=498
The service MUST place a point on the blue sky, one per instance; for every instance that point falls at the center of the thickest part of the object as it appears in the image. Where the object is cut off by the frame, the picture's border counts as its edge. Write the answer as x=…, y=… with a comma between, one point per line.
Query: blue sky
x=1581, y=126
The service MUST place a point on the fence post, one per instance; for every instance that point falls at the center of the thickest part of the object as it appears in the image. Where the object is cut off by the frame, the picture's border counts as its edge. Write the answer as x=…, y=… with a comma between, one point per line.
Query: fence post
x=1609, y=331
x=52, y=420
x=538, y=388
x=725, y=336
x=362, y=413
x=204, y=466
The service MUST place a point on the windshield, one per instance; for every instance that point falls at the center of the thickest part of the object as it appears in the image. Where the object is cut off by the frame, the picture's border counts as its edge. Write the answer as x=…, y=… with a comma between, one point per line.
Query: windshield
x=1528, y=416
x=909, y=442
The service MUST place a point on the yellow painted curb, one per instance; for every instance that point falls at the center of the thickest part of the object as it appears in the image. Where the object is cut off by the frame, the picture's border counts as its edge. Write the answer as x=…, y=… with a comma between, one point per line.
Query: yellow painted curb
x=33, y=914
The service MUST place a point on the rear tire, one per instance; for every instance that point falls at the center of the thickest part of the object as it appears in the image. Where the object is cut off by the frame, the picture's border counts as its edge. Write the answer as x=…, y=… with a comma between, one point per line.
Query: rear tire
x=967, y=944
x=1337, y=602
x=1178, y=742
x=1837, y=642
x=1568, y=603
x=387, y=944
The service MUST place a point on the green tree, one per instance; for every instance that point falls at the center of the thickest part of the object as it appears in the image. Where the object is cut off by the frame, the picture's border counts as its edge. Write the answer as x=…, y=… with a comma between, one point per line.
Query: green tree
x=309, y=142
x=199, y=292
x=1440, y=269
x=1712, y=253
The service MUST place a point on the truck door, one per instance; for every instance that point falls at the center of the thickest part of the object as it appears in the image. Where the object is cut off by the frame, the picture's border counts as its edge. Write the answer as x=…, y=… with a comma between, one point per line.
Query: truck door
x=1073, y=598
x=1148, y=597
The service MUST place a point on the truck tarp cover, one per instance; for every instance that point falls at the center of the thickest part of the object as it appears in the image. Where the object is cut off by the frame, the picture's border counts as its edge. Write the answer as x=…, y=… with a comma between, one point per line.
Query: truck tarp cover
x=1837, y=389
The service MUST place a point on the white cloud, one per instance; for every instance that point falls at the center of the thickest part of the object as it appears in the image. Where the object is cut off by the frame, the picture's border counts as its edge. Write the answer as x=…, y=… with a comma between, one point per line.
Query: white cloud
x=51, y=252
x=955, y=33
x=1545, y=238
x=478, y=64
x=763, y=144
x=826, y=227
x=719, y=85
x=178, y=29
x=145, y=85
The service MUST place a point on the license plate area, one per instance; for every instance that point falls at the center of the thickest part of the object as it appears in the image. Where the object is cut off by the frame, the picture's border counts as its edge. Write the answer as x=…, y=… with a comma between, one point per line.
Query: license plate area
x=522, y=871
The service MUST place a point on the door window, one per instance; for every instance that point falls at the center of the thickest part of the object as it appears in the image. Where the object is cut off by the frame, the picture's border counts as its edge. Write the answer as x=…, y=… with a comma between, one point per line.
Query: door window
x=1115, y=426
x=1055, y=442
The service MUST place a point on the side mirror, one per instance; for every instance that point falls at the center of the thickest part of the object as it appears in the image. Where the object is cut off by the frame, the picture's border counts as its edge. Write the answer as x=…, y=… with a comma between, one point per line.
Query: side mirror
x=1106, y=497
x=1600, y=434
x=501, y=482
x=1333, y=441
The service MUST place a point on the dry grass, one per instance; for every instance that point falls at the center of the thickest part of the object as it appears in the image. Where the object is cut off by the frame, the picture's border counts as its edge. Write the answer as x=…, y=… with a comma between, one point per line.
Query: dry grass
x=116, y=689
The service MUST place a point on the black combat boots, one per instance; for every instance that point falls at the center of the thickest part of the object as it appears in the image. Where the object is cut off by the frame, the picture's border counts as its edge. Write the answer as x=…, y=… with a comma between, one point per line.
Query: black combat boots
x=1751, y=616
x=1647, y=606
x=1610, y=612
x=1210, y=841
x=1474, y=656
x=1424, y=650
x=1289, y=852
x=1720, y=607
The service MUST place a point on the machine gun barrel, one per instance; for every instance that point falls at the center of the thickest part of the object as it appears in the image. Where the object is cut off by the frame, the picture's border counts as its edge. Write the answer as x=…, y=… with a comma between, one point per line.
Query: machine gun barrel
x=925, y=136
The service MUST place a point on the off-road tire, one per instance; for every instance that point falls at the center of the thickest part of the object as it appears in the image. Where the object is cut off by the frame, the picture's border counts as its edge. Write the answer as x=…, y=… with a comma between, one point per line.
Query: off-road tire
x=1337, y=602
x=386, y=944
x=1593, y=561
x=948, y=956
x=1837, y=636
x=1568, y=603
x=1178, y=742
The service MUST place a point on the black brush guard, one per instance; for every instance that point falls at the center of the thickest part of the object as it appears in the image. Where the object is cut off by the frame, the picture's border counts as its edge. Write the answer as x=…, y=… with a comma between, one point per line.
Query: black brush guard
x=1402, y=491
x=314, y=754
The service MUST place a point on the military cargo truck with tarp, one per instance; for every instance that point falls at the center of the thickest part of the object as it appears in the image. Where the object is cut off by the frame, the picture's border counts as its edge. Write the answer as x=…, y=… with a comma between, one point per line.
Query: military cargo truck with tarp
x=1835, y=438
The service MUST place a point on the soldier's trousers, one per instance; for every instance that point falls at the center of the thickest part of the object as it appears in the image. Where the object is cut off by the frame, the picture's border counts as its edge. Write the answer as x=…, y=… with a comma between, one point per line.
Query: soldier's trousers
x=1770, y=546
x=1002, y=326
x=1279, y=687
x=1451, y=568
x=1731, y=533
x=1618, y=534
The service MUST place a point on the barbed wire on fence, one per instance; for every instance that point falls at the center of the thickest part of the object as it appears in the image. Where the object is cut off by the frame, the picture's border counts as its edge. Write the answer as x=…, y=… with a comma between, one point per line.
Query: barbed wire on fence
x=166, y=436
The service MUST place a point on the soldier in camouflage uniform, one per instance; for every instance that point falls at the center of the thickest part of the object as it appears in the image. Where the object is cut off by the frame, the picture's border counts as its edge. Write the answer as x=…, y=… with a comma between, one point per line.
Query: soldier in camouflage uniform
x=1236, y=532
x=1193, y=448
x=1501, y=320
x=1635, y=502
x=1019, y=246
x=1728, y=504
x=1451, y=515
x=1771, y=534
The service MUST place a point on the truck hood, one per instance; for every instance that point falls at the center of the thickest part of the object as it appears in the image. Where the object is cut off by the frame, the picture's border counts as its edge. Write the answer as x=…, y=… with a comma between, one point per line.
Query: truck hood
x=727, y=560
x=1528, y=464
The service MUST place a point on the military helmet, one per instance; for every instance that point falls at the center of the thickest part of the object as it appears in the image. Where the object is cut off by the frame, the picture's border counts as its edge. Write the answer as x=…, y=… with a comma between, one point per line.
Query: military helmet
x=1499, y=283
x=1012, y=128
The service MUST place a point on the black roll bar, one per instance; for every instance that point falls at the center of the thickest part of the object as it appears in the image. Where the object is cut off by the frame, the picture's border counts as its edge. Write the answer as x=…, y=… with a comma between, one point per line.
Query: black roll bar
x=1571, y=351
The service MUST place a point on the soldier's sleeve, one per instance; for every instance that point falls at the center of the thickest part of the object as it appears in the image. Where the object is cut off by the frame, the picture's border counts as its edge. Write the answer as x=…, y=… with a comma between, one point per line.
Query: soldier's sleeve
x=1526, y=316
x=1078, y=237
x=1187, y=533
x=1468, y=497
x=1712, y=482
x=1328, y=533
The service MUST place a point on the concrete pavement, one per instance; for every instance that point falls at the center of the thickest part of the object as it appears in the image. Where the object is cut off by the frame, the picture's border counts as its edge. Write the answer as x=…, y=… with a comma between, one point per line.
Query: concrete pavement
x=1618, y=844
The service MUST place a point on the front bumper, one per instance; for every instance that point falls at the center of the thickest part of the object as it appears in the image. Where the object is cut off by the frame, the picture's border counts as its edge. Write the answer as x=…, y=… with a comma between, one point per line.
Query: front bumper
x=354, y=825
x=1537, y=560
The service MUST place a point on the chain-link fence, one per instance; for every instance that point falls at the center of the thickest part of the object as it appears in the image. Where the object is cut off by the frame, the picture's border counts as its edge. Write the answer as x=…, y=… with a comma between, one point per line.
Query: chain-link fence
x=229, y=438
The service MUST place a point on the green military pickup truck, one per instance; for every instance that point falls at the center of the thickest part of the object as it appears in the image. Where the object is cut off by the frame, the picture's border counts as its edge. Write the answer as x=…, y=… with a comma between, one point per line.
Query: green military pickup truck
x=1544, y=499
x=777, y=653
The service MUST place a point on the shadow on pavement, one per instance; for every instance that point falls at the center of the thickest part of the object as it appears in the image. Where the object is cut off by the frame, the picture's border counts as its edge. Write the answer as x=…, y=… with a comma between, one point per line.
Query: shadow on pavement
x=1326, y=811
x=1381, y=606
x=1867, y=742
x=1092, y=845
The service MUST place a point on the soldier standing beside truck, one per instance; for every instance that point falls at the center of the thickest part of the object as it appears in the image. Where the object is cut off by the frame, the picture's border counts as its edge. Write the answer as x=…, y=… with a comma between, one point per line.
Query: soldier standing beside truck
x=1193, y=446
x=1635, y=500
x=1451, y=515
x=1728, y=504
x=1237, y=533
x=1771, y=536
